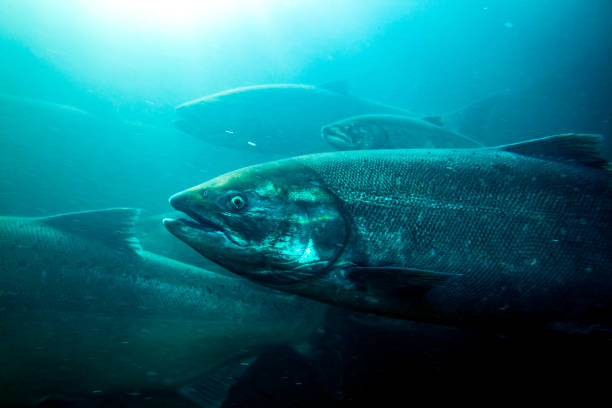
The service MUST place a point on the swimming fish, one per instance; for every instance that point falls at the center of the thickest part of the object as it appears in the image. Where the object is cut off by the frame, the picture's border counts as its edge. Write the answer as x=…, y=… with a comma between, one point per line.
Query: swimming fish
x=392, y=132
x=16, y=105
x=85, y=311
x=512, y=237
x=281, y=119
x=286, y=119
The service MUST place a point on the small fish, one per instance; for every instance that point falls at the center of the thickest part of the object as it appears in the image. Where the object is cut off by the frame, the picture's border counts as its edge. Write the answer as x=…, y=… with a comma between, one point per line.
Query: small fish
x=392, y=132
x=488, y=237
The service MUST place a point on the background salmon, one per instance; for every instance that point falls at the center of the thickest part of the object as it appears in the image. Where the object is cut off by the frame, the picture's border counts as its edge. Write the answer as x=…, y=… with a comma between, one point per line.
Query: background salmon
x=285, y=119
x=84, y=311
x=392, y=132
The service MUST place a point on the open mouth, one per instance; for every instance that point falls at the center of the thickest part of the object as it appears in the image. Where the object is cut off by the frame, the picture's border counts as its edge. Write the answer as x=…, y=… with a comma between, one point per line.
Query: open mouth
x=201, y=227
x=201, y=223
x=206, y=225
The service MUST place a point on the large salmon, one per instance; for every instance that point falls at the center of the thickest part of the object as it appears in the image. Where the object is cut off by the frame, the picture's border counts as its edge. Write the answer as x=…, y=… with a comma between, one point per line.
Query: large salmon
x=518, y=235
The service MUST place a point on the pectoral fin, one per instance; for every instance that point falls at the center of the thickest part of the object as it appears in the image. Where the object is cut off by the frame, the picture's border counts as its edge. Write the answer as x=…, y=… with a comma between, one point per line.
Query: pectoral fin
x=393, y=279
x=211, y=388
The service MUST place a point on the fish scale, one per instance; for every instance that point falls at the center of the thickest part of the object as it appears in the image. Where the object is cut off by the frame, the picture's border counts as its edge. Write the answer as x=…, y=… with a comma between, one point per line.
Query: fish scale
x=83, y=308
x=510, y=225
x=509, y=236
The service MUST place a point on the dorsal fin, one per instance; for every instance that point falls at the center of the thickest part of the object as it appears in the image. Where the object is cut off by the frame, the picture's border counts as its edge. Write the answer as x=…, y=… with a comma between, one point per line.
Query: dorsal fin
x=113, y=227
x=578, y=148
x=340, y=87
x=434, y=120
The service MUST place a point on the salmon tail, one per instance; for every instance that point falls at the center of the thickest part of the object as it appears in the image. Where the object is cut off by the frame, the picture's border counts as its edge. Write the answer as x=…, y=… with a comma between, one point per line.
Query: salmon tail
x=473, y=120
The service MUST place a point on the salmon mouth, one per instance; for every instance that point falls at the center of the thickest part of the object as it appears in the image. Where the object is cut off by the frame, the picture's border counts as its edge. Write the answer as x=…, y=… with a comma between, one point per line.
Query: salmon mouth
x=199, y=223
x=337, y=137
x=206, y=227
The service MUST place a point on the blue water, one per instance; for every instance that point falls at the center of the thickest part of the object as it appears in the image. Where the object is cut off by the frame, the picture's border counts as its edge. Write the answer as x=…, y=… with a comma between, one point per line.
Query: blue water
x=88, y=91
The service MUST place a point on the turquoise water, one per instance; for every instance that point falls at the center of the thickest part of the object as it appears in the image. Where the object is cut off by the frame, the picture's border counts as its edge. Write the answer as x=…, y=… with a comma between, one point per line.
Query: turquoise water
x=129, y=66
x=88, y=92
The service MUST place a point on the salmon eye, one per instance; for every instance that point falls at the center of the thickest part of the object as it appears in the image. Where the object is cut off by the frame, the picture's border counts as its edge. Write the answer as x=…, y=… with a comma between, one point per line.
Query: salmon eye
x=238, y=202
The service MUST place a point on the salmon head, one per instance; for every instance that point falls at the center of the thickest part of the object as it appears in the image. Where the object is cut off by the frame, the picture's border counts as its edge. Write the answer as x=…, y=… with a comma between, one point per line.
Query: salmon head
x=356, y=133
x=273, y=223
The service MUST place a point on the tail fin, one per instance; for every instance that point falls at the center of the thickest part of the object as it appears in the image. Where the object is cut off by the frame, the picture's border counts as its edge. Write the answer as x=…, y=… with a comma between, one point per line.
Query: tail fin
x=473, y=120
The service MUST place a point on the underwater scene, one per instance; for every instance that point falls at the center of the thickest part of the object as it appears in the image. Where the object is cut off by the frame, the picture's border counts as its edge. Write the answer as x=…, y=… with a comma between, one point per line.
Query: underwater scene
x=304, y=203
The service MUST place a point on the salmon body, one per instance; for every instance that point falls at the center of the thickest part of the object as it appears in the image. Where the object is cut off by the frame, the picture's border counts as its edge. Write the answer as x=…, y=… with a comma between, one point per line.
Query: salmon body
x=468, y=237
x=84, y=311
